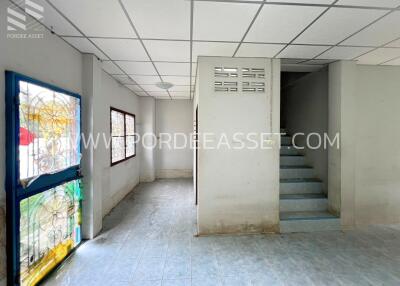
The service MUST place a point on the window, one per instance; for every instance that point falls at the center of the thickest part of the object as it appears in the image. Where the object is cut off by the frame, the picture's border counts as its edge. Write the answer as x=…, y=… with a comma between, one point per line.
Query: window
x=123, y=130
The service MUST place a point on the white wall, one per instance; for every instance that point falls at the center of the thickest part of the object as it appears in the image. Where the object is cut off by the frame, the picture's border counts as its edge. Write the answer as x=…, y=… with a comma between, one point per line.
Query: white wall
x=48, y=59
x=51, y=60
x=238, y=188
x=364, y=174
x=306, y=111
x=92, y=212
x=146, y=127
x=174, y=116
x=377, y=152
x=116, y=181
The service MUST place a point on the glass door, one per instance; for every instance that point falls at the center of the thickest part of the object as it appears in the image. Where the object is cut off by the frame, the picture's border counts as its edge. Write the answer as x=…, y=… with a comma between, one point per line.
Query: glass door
x=43, y=186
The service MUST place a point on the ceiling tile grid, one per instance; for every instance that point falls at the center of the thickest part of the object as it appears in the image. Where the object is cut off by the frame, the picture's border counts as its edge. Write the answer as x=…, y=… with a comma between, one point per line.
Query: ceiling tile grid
x=281, y=23
x=96, y=18
x=394, y=44
x=134, y=88
x=213, y=49
x=259, y=50
x=318, y=62
x=173, y=51
x=111, y=68
x=123, y=79
x=137, y=68
x=379, y=56
x=160, y=19
x=337, y=24
x=144, y=80
x=370, y=3
x=344, y=53
x=122, y=49
x=325, y=2
x=380, y=33
x=56, y=22
x=152, y=40
x=302, y=52
x=222, y=21
x=177, y=80
x=180, y=69
x=395, y=62
x=85, y=46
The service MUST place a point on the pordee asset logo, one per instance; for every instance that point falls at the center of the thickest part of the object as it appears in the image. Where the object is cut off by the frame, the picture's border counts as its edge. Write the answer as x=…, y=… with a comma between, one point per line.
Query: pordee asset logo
x=24, y=20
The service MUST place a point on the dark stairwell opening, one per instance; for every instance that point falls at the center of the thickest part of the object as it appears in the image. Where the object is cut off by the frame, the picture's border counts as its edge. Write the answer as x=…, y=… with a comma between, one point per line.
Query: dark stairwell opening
x=303, y=157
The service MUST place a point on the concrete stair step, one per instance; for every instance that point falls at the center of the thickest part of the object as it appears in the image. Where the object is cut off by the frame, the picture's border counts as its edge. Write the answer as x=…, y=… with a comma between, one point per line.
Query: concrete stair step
x=300, y=186
x=296, y=172
x=303, y=203
x=302, y=196
x=289, y=150
x=308, y=222
x=292, y=160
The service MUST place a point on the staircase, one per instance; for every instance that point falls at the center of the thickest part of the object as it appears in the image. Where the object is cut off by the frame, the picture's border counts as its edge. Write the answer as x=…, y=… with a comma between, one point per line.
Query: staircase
x=303, y=204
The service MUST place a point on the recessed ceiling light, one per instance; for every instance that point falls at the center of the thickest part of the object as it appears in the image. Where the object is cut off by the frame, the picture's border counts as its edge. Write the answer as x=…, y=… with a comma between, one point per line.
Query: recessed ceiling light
x=164, y=85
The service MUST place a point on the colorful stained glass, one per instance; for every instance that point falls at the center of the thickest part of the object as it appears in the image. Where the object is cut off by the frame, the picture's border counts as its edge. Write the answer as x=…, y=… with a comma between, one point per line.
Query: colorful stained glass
x=50, y=227
x=49, y=131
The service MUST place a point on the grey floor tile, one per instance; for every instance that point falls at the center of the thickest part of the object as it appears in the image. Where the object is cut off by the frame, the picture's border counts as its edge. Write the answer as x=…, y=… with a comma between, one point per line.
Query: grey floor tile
x=148, y=240
x=237, y=280
x=145, y=283
x=176, y=282
x=149, y=269
x=207, y=280
x=177, y=268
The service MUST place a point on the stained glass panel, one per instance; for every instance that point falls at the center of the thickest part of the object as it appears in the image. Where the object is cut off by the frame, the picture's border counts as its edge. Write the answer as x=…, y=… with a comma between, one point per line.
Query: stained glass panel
x=50, y=227
x=49, y=130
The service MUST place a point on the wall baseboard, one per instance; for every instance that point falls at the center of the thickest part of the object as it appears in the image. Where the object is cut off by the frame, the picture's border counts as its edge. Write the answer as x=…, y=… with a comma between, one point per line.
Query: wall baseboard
x=174, y=173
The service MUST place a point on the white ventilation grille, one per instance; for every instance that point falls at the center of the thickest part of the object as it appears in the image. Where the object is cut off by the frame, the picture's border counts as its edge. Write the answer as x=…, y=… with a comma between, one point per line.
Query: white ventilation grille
x=226, y=86
x=225, y=72
x=234, y=79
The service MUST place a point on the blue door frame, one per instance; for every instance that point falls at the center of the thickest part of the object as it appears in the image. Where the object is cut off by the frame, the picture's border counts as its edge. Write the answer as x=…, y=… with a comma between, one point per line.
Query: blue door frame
x=15, y=192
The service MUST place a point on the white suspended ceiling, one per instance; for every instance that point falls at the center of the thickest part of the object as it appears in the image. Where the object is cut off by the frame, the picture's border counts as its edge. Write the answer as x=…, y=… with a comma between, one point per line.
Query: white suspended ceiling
x=142, y=42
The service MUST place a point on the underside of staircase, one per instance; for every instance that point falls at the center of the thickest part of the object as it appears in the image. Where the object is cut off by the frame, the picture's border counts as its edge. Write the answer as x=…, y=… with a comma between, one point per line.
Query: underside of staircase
x=303, y=204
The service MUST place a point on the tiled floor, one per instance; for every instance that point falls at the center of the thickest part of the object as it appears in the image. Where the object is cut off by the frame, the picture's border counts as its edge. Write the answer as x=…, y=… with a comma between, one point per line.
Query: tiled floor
x=148, y=240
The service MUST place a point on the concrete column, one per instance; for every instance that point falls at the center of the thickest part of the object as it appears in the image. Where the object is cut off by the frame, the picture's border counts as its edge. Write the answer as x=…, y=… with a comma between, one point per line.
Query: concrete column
x=238, y=187
x=147, y=126
x=341, y=176
x=92, y=202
